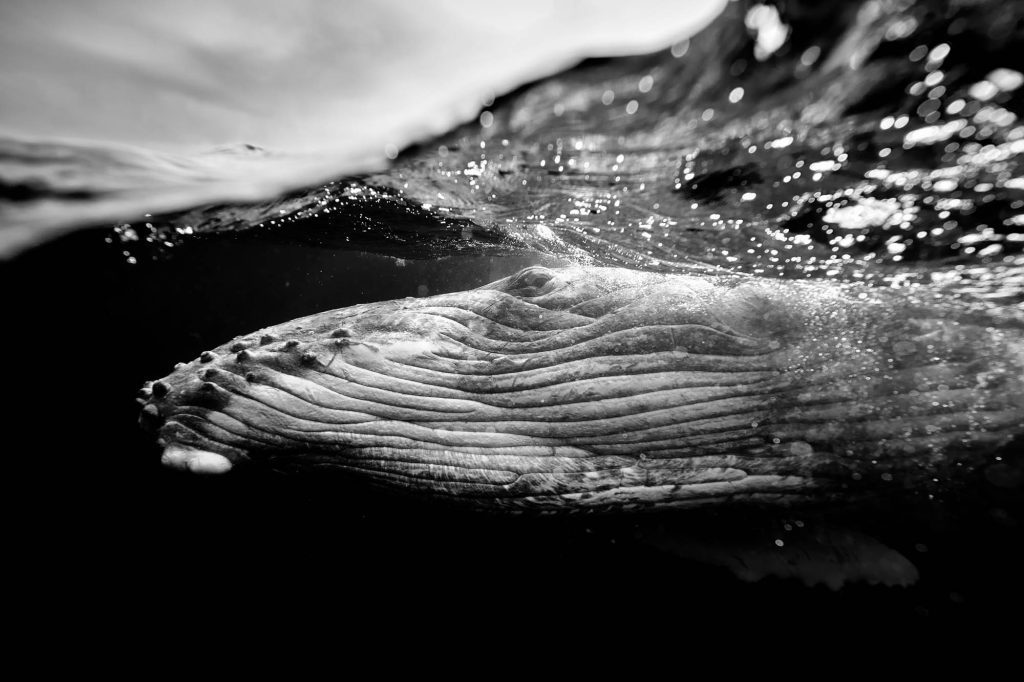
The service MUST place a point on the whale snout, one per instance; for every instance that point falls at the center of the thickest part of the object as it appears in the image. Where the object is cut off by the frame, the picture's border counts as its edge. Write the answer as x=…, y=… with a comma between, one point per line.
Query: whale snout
x=276, y=392
x=177, y=456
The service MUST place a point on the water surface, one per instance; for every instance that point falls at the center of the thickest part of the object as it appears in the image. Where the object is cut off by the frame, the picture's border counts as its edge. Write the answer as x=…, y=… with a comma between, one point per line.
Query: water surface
x=115, y=110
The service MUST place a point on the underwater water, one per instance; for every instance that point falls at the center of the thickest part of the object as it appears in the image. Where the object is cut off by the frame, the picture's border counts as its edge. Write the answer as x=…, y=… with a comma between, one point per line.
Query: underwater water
x=871, y=143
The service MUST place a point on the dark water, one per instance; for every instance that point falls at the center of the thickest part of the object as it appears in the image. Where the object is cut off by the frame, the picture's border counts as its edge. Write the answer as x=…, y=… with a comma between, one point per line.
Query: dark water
x=878, y=143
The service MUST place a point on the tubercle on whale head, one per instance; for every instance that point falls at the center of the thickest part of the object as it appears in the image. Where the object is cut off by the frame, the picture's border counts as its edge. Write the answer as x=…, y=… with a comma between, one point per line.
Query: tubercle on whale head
x=603, y=388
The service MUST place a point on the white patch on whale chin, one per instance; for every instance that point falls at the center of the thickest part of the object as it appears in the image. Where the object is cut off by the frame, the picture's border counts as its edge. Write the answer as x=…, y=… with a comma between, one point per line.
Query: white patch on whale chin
x=197, y=461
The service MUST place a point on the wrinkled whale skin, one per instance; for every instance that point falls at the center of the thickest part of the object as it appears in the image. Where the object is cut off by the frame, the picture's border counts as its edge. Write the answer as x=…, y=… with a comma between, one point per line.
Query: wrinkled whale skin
x=580, y=389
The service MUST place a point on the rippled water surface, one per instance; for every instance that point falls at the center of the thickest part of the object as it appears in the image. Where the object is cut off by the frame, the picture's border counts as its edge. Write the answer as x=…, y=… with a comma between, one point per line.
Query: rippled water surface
x=876, y=140
x=873, y=143
x=112, y=110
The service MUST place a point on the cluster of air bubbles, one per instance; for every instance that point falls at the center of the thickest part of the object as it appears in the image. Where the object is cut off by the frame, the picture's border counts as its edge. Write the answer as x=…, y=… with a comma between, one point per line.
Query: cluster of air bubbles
x=770, y=32
x=146, y=237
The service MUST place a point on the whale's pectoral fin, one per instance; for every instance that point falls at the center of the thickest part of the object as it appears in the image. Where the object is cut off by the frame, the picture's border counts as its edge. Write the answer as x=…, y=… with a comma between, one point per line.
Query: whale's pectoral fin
x=812, y=551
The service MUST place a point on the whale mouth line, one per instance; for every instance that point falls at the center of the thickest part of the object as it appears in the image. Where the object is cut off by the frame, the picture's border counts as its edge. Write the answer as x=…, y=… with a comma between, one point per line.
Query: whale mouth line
x=194, y=460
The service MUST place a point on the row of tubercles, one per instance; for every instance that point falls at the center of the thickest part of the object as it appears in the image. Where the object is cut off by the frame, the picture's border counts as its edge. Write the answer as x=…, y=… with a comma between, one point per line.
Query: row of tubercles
x=160, y=389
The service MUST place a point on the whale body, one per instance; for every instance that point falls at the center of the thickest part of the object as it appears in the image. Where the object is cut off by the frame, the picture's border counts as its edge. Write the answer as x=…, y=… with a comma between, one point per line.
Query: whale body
x=602, y=389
